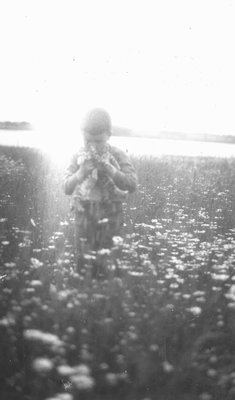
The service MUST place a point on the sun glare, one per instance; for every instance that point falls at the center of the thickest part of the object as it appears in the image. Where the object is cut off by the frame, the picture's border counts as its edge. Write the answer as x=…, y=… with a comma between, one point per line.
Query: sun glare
x=58, y=145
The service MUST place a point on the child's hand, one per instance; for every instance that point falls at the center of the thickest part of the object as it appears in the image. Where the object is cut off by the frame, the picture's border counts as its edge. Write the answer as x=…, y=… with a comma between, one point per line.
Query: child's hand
x=85, y=169
x=107, y=168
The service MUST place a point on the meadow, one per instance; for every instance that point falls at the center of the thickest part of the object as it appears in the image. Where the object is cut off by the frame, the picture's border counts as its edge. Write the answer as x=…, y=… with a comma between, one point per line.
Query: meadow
x=159, y=325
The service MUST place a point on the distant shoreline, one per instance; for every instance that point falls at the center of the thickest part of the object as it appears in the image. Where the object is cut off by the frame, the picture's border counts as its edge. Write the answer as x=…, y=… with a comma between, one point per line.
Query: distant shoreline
x=133, y=145
x=128, y=133
x=196, y=137
x=21, y=126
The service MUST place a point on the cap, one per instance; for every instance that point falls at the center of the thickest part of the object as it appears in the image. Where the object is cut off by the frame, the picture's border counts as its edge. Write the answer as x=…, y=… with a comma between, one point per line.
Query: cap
x=97, y=121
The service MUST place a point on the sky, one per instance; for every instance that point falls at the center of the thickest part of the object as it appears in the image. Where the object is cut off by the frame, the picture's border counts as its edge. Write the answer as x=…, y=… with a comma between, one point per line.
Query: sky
x=154, y=65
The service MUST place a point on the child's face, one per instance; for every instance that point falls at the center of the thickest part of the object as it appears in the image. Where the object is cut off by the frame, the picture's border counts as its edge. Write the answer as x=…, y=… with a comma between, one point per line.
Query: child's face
x=96, y=140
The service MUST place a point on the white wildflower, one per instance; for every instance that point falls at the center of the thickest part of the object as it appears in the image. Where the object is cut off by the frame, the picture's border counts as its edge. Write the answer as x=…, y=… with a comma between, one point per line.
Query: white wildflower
x=167, y=367
x=47, y=338
x=132, y=335
x=7, y=321
x=135, y=273
x=231, y=293
x=83, y=382
x=89, y=257
x=42, y=365
x=64, y=396
x=30, y=290
x=104, y=366
x=37, y=250
x=59, y=234
x=186, y=296
x=154, y=347
x=111, y=379
x=117, y=240
x=64, y=223
x=205, y=396
x=82, y=369
x=35, y=263
x=10, y=264
x=103, y=221
x=195, y=310
x=213, y=359
x=65, y=370
x=62, y=295
x=231, y=306
x=32, y=222
x=220, y=277
x=103, y=252
x=211, y=373
x=174, y=285
x=199, y=293
x=35, y=283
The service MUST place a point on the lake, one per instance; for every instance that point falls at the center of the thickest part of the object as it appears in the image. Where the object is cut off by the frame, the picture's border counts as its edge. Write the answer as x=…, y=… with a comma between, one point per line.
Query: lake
x=60, y=147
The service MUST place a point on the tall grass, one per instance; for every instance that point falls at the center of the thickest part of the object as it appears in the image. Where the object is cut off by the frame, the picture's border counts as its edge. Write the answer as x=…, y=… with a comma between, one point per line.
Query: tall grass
x=159, y=325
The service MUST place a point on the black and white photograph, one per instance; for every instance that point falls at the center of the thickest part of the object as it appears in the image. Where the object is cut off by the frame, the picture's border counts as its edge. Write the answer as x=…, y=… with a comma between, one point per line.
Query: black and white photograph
x=117, y=200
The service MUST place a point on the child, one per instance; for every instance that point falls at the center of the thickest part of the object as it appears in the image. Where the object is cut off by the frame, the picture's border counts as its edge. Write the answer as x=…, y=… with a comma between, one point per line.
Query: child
x=99, y=178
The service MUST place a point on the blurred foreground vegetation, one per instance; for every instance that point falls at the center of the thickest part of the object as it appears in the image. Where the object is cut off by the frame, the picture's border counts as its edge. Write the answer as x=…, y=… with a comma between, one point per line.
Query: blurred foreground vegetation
x=159, y=325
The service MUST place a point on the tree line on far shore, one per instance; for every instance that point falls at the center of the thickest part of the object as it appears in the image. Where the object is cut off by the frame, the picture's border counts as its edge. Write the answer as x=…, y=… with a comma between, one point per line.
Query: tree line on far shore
x=15, y=125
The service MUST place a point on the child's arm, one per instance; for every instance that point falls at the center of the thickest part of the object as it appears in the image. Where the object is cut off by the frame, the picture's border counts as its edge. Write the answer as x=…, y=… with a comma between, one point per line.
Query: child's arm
x=75, y=174
x=125, y=178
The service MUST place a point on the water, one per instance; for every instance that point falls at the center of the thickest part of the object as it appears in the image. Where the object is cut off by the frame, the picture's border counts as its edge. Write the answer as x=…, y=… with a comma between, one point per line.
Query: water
x=175, y=147
x=61, y=146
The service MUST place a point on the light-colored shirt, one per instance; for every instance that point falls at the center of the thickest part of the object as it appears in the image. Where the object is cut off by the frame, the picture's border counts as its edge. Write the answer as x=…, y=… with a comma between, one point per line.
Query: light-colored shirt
x=125, y=177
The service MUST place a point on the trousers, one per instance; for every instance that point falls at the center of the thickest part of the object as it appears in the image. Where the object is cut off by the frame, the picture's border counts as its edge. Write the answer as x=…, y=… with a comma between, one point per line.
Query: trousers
x=96, y=225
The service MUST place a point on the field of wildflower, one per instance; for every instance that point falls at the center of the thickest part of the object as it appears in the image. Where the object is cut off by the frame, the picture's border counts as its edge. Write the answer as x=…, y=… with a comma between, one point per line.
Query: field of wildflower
x=159, y=325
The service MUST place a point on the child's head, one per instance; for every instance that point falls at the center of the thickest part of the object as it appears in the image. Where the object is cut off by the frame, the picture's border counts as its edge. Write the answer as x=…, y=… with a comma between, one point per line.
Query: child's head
x=97, y=126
